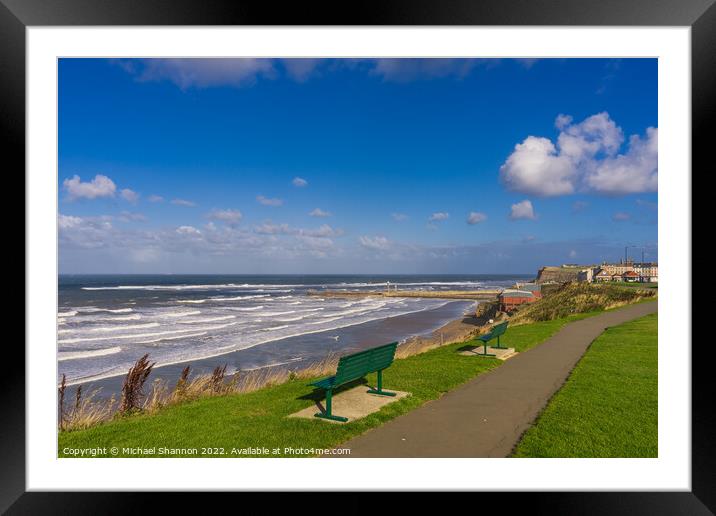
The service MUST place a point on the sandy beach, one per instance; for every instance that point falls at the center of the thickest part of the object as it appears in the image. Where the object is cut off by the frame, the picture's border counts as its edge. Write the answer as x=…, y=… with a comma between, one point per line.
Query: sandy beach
x=455, y=321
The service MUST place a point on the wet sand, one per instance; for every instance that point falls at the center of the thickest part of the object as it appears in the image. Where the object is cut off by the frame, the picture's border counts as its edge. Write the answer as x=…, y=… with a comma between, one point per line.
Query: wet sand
x=455, y=321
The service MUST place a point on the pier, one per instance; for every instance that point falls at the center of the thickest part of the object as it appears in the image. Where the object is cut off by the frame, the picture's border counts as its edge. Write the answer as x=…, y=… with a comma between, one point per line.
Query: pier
x=477, y=295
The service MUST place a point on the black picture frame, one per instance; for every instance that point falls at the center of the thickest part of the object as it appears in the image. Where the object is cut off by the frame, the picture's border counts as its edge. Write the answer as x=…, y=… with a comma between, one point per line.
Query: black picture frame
x=700, y=15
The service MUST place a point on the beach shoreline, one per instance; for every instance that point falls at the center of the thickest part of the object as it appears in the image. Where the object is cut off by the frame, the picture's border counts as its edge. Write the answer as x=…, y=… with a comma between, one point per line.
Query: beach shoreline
x=455, y=321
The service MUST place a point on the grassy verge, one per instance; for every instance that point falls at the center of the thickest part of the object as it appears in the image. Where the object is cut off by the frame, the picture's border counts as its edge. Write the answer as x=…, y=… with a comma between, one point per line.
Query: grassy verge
x=608, y=407
x=636, y=285
x=232, y=423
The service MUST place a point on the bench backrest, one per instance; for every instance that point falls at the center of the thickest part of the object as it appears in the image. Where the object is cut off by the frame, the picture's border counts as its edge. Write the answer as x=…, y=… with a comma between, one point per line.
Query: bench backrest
x=498, y=330
x=357, y=365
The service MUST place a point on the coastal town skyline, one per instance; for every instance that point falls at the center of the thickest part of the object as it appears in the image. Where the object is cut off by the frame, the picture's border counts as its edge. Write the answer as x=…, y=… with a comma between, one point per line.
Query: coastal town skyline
x=372, y=166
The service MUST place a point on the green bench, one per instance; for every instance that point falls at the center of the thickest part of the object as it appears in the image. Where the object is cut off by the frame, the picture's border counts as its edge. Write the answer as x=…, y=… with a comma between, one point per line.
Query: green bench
x=494, y=333
x=356, y=366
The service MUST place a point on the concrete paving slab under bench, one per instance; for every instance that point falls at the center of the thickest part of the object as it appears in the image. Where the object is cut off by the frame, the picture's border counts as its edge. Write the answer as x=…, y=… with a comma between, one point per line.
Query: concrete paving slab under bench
x=353, y=403
x=500, y=353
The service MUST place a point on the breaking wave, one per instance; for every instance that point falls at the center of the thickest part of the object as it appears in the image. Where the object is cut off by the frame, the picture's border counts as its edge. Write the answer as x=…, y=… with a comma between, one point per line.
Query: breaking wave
x=74, y=355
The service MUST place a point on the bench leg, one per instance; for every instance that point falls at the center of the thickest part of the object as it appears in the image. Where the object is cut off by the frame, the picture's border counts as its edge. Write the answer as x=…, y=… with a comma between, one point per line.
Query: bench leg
x=328, y=414
x=499, y=346
x=484, y=351
x=380, y=390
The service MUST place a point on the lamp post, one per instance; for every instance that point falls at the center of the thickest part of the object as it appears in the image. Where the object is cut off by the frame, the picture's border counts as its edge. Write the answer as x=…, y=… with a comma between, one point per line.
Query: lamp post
x=641, y=269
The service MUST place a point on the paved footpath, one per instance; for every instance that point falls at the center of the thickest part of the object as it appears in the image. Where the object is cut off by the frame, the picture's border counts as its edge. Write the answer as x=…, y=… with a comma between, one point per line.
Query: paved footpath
x=486, y=416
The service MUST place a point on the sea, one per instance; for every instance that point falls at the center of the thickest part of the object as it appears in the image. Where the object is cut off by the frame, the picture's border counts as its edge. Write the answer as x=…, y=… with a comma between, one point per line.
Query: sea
x=106, y=322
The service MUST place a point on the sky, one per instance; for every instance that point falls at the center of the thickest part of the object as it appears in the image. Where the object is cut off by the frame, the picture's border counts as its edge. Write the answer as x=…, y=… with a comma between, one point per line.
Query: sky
x=355, y=166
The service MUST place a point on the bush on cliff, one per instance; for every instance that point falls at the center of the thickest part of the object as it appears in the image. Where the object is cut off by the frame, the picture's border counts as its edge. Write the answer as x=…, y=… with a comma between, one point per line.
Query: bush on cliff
x=575, y=298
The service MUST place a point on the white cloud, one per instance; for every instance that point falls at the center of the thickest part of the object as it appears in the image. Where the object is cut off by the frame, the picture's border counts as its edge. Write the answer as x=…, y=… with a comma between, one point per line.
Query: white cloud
x=155, y=198
x=379, y=243
x=188, y=230
x=230, y=217
x=399, y=217
x=183, y=202
x=169, y=244
x=536, y=168
x=572, y=253
x=475, y=217
x=273, y=229
x=439, y=216
x=585, y=158
x=129, y=195
x=68, y=221
x=84, y=232
x=318, y=212
x=324, y=231
x=621, y=216
x=100, y=186
x=562, y=121
x=187, y=73
x=633, y=172
x=299, y=182
x=522, y=210
x=404, y=70
x=268, y=202
x=205, y=73
x=300, y=69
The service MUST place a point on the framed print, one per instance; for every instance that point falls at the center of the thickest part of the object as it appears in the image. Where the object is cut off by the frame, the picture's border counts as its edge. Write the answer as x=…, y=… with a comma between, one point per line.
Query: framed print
x=262, y=244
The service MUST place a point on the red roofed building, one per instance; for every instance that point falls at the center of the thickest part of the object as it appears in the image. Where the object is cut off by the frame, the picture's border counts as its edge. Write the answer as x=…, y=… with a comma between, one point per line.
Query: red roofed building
x=511, y=299
x=630, y=276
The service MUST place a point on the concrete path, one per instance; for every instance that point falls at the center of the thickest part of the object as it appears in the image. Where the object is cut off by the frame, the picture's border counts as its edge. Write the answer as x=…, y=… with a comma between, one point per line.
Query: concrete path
x=486, y=416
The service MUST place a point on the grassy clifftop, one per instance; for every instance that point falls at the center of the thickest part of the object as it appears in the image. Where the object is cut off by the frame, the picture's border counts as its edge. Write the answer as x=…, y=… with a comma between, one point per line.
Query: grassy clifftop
x=574, y=298
x=609, y=406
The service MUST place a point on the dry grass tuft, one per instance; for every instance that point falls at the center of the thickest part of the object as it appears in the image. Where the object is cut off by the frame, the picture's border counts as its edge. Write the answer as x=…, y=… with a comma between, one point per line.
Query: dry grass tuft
x=158, y=397
x=180, y=387
x=61, y=416
x=217, y=379
x=85, y=412
x=133, y=386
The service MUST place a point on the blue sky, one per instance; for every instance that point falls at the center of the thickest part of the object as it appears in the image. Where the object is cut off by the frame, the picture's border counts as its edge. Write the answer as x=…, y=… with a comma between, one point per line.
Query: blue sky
x=354, y=166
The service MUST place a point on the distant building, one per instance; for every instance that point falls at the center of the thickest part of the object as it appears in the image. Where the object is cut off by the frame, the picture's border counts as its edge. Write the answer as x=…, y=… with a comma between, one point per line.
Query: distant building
x=535, y=288
x=588, y=274
x=630, y=277
x=618, y=268
x=511, y=299
x=646, y=272
x=603, y=275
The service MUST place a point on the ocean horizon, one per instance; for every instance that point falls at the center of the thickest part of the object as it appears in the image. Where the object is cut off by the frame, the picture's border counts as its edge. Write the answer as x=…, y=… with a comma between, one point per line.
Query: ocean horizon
x=105, y=322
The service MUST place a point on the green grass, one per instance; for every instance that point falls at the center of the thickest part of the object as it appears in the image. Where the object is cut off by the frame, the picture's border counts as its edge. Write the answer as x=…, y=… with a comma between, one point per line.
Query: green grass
x=259, y=419
x=608, y=406
x=636, y=285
